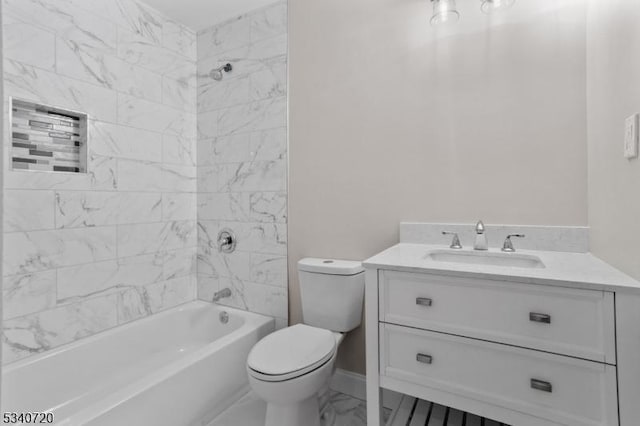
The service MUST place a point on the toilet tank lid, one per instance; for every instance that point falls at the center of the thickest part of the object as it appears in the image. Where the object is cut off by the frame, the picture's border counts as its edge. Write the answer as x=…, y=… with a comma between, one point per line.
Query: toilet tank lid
x=330, y=266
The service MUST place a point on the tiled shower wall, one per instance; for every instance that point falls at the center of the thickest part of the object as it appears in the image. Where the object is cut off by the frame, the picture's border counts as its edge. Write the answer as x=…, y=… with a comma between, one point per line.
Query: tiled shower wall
x=87, y=252
x=242, y=164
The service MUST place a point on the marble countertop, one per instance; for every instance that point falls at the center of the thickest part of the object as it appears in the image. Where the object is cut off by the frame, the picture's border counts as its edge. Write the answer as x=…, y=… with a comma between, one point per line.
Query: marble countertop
x=579, y=270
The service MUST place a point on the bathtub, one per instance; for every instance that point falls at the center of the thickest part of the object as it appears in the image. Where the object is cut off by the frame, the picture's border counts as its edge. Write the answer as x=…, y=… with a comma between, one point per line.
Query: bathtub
x=180, y=367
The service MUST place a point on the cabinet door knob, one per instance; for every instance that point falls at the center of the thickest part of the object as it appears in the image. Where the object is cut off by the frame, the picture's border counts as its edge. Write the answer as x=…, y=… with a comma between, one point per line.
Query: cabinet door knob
x=538, y=317
x=423, y=358
x=424, y=301
x=541, y=385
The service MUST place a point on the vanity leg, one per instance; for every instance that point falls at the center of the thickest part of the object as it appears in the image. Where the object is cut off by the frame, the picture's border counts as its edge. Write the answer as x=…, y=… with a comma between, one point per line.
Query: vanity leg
x=374, y=393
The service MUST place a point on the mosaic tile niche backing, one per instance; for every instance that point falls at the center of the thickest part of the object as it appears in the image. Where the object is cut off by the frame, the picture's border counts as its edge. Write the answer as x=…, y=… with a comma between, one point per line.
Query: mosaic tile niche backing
x=49, y=139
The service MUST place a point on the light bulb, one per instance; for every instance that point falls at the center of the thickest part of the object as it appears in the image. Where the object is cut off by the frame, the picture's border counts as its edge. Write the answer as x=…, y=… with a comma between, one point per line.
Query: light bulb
x=491, y=6
x=444, y=12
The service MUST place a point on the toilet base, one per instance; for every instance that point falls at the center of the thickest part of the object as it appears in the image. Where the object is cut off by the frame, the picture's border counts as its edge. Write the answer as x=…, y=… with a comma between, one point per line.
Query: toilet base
x=301, y=413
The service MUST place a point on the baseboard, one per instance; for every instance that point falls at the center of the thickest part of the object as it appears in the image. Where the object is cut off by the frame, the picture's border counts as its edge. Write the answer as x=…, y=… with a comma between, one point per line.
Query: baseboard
x=355, y=385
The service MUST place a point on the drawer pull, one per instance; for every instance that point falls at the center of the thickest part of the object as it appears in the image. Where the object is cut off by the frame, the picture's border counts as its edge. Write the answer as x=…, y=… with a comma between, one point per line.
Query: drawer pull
x=541, y=385
x=425, y=359
x=424, y=301
x=537, y=317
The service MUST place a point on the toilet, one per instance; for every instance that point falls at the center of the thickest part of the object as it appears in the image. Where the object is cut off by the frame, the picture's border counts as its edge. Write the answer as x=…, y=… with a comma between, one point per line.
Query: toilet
x=290, y=369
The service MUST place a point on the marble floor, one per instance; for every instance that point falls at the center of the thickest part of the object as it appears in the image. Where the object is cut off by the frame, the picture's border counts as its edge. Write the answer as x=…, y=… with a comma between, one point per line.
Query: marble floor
x=250, y=411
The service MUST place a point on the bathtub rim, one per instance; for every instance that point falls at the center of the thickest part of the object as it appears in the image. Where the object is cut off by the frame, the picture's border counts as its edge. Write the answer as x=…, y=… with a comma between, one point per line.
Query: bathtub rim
x=253, y=318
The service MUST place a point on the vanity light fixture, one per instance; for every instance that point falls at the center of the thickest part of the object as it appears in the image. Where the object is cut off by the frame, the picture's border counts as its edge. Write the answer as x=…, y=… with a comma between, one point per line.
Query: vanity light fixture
x=444, y=12
x=490, y=6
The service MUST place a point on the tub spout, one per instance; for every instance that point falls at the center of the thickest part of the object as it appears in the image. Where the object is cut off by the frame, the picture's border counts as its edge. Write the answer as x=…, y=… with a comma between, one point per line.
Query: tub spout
x=226, y=292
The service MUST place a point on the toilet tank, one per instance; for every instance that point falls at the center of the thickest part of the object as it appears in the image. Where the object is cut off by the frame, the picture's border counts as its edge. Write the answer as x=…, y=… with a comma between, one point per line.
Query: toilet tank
x=332, y=293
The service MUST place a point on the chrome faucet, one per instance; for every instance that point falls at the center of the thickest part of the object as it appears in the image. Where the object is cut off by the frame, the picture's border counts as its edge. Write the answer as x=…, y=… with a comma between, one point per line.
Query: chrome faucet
x=225, y=292
x=481, y=239
x=455, y=242
x=508, y=244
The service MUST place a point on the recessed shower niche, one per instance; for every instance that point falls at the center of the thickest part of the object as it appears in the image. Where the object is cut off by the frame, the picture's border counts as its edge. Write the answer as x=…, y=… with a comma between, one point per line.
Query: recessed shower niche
x=46, y=138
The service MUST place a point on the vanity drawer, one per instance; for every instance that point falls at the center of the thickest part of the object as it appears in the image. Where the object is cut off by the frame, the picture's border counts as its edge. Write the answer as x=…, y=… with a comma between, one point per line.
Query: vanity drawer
x=566, y=321
x=559, y=389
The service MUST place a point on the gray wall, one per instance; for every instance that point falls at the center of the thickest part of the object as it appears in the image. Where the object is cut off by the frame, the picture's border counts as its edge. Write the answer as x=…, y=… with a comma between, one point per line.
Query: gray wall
x=613, y=95
x=392, y=120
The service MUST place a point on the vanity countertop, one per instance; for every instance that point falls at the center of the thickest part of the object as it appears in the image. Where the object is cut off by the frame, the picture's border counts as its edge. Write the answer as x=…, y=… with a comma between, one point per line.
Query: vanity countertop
x=566, y=269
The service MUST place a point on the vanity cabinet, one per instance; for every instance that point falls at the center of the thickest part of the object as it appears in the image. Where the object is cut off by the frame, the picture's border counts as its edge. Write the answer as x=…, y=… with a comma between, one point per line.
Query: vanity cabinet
x=520, y=353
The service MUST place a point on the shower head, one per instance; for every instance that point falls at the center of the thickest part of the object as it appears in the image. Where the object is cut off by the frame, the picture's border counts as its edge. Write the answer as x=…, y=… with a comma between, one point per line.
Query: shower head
x=216, y=73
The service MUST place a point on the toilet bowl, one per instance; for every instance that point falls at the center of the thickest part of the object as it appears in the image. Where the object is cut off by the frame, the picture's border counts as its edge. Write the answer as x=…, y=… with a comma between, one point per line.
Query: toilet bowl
x=290, y=369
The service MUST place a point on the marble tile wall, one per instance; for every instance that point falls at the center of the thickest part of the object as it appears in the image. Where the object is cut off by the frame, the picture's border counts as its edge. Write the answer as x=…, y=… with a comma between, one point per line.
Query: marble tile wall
x=87, y=252
x=242, y=160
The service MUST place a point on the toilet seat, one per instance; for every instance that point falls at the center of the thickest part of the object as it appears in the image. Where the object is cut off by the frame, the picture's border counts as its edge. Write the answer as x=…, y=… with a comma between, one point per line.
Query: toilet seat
x=291, y=352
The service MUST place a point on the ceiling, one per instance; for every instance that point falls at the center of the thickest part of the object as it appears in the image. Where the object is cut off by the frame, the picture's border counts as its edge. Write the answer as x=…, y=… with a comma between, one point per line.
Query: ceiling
x=200, y=14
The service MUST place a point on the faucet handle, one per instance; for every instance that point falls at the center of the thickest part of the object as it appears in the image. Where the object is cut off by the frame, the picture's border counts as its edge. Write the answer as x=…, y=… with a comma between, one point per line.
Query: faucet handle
x=508, y=244
x=455, y=243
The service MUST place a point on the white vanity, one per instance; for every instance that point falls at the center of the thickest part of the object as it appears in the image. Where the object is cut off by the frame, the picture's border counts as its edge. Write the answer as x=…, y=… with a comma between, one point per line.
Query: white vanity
x=553, y=340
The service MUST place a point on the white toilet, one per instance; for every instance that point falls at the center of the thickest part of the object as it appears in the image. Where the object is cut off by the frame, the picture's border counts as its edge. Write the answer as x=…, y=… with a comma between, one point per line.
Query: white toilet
x=291, y=368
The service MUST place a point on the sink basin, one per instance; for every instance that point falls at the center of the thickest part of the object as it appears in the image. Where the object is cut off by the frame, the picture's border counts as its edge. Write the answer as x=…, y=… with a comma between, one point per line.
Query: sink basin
x=486, y=258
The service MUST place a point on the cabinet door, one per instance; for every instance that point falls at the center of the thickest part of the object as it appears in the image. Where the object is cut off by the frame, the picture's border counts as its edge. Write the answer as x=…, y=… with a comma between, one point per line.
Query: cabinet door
x=565, y=321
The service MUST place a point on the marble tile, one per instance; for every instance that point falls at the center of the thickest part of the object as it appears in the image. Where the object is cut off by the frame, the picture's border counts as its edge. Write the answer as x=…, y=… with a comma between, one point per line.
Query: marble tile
x=223, y=206
x=138, y=302
x=225, y=149
x=179, y=263
x=41, y=250
x=139, y=207
x=67, y=21
x=177, y=178
x=179, y=38
x=93, y=279
x=223, y=37
x=206, y=287
x=42, y=331
x=137, y=17
x=29, y=83
x=233, y=265
x=153, y=116
x=250, y=410
x=101, y=176
x=179, y=94
x=211, y=178
x=28, y=210
x=179, y=149
x=268, y=207
x=28, y=44
x=207, y=124
x=228, y=92
x=262, y=299
x=268, y=22
x=114, y=140
x=269, y=238
x=268, y=145
x=134, y=175
x=259, y=115
x=148, y=238
x=138, y=50
x=74, y=209
x=179, y=206
x=26, y=294
x=270, y=82
x=258, y=176
x=86, y=64
x=269, y=269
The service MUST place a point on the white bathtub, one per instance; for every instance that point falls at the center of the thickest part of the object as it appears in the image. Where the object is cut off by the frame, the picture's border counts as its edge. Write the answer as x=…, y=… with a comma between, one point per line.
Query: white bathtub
x=179, y=367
